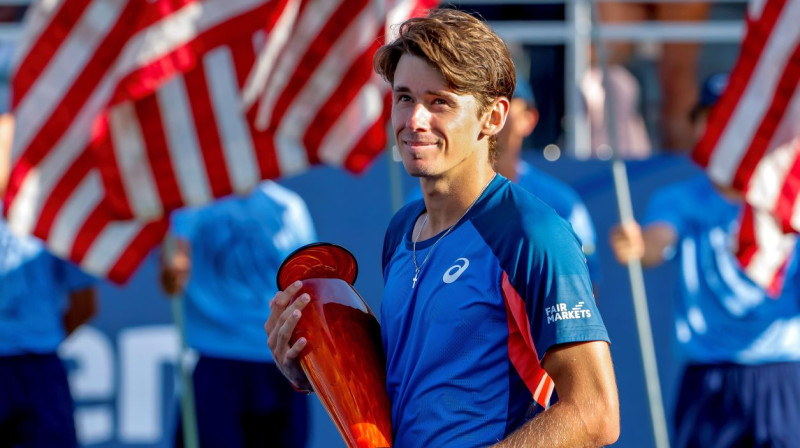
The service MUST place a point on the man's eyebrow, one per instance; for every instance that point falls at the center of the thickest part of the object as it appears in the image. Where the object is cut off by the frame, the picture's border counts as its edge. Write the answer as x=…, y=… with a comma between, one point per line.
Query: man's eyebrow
x=404, y=89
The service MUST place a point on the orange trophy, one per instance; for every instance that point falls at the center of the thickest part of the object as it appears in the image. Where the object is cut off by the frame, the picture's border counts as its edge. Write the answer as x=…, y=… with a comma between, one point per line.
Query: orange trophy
x=344, y=359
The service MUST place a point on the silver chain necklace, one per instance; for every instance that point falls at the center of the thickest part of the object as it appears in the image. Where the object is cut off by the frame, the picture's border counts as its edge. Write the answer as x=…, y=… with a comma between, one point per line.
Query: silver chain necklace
x=418, y=267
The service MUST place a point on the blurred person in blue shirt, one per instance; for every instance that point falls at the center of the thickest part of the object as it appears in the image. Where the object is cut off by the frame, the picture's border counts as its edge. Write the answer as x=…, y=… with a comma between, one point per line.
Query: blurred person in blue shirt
x=225, y=264
x=742, y=348
x=42, y=300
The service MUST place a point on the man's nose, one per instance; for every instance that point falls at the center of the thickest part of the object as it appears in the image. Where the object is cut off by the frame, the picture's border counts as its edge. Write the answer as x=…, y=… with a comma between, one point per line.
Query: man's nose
x=420, y=118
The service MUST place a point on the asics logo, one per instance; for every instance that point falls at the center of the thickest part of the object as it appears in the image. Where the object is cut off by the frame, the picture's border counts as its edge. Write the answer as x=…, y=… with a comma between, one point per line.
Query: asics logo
x=455, y=271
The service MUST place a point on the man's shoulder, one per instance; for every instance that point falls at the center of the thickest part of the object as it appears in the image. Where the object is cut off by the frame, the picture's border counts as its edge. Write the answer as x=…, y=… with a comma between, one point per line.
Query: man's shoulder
x=514, y=213
x=280, y=194
x=690, y=188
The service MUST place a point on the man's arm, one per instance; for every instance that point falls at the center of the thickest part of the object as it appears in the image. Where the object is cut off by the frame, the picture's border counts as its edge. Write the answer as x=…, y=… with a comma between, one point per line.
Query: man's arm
x=587, y=411
x=82, y=307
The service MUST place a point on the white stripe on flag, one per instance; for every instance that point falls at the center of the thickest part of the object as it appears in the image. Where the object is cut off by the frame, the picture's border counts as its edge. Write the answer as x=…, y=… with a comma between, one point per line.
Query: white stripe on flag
x=234, y=132
x=108, y=247
x=769, y=176
x=74, y=213
x=182, y=144
x=134, y=165
x=774, y=248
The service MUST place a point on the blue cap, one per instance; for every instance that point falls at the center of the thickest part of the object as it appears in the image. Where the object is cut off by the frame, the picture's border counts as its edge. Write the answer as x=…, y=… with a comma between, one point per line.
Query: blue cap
x=712, y=89
x=523, y=90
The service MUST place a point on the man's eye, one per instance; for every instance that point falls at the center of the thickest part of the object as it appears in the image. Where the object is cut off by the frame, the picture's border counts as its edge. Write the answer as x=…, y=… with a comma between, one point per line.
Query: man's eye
x=403, y=98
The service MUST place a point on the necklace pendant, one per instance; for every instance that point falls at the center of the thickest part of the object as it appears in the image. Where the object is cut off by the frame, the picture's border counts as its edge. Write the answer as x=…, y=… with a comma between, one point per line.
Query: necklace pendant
x=414, y=280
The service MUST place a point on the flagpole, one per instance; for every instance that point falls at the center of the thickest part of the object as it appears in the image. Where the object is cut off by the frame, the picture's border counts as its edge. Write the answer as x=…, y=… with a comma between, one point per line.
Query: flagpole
x=188, y=410
x=641, y=312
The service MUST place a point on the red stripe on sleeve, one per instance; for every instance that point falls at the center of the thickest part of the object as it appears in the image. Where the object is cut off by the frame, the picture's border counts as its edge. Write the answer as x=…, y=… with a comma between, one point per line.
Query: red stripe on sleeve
x=521, y=350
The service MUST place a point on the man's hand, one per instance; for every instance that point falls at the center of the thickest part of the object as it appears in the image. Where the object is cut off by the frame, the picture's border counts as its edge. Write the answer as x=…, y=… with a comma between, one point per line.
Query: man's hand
x=630, y=242
x=82, y=307
x=176, y=267
x=283, y=318
x=627, y=241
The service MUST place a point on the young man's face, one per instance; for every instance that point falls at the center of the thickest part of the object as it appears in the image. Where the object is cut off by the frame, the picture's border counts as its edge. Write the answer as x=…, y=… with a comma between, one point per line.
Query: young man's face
x=436, y=129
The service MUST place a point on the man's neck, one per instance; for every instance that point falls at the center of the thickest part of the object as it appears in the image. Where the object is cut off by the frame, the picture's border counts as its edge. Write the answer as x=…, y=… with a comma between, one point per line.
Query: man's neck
x=447, y=199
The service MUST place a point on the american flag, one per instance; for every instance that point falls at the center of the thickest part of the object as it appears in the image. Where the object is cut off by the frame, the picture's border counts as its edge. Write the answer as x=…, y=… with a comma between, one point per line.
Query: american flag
x=751, y=143
x=128, y=109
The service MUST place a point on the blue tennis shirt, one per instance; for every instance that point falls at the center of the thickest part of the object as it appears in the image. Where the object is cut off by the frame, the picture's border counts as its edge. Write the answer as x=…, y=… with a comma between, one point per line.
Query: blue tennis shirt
x=568, y=204
x=464, y=345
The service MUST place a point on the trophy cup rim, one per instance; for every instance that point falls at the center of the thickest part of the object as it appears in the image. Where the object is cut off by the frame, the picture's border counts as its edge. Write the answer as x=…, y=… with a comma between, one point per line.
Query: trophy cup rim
x=329, y=263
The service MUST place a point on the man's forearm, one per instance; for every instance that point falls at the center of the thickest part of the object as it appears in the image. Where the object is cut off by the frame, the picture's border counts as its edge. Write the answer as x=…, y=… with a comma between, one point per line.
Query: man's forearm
x=563, y=425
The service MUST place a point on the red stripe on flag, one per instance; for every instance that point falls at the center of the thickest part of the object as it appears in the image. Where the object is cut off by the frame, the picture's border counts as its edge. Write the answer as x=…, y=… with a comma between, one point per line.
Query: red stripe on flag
x=42, y=51
x=94, y=224
x=753, y=45
x=207, y=132
x=521, y=349
x=353, y=80
x=155, y=140
x=368, y=147
x=62, y=191
x=108, y=166
x=785, y=205
x=747, y=243
x=784, y=93
x=243, y=60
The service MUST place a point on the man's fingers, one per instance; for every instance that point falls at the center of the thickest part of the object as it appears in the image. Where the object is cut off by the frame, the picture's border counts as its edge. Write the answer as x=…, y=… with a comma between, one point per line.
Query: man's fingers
x=295, y=350
x=278, y=305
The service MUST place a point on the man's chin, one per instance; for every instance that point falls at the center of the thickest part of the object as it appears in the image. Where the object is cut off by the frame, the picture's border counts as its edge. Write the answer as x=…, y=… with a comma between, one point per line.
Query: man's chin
x=415, y=170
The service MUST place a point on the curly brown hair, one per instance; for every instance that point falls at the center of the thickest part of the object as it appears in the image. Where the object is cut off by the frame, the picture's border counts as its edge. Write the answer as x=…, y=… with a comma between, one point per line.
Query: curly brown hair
x=470, y=56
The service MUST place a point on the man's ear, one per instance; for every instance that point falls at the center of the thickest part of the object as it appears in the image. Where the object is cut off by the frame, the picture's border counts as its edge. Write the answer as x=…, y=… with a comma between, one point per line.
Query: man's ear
x=495, y=118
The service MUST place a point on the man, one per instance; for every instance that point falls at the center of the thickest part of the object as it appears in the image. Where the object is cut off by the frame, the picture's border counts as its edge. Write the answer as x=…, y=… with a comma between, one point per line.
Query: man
x=225, y=264
x=42, y=299
x=482, y=280
x=740, y=386
x=520, y=123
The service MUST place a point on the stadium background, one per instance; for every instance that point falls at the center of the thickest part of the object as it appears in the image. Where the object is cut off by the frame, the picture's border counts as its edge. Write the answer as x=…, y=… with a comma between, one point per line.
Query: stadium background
x=122, y=365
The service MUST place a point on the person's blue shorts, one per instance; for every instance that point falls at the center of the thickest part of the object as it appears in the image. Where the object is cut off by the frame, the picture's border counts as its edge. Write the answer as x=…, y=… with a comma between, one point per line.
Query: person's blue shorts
x=246, y=404
x=726, y=405
x=36, y=408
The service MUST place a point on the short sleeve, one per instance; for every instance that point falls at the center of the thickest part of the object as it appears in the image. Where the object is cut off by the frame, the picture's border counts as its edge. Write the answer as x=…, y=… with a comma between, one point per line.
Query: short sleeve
x=557, y=289
x=665, y=207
